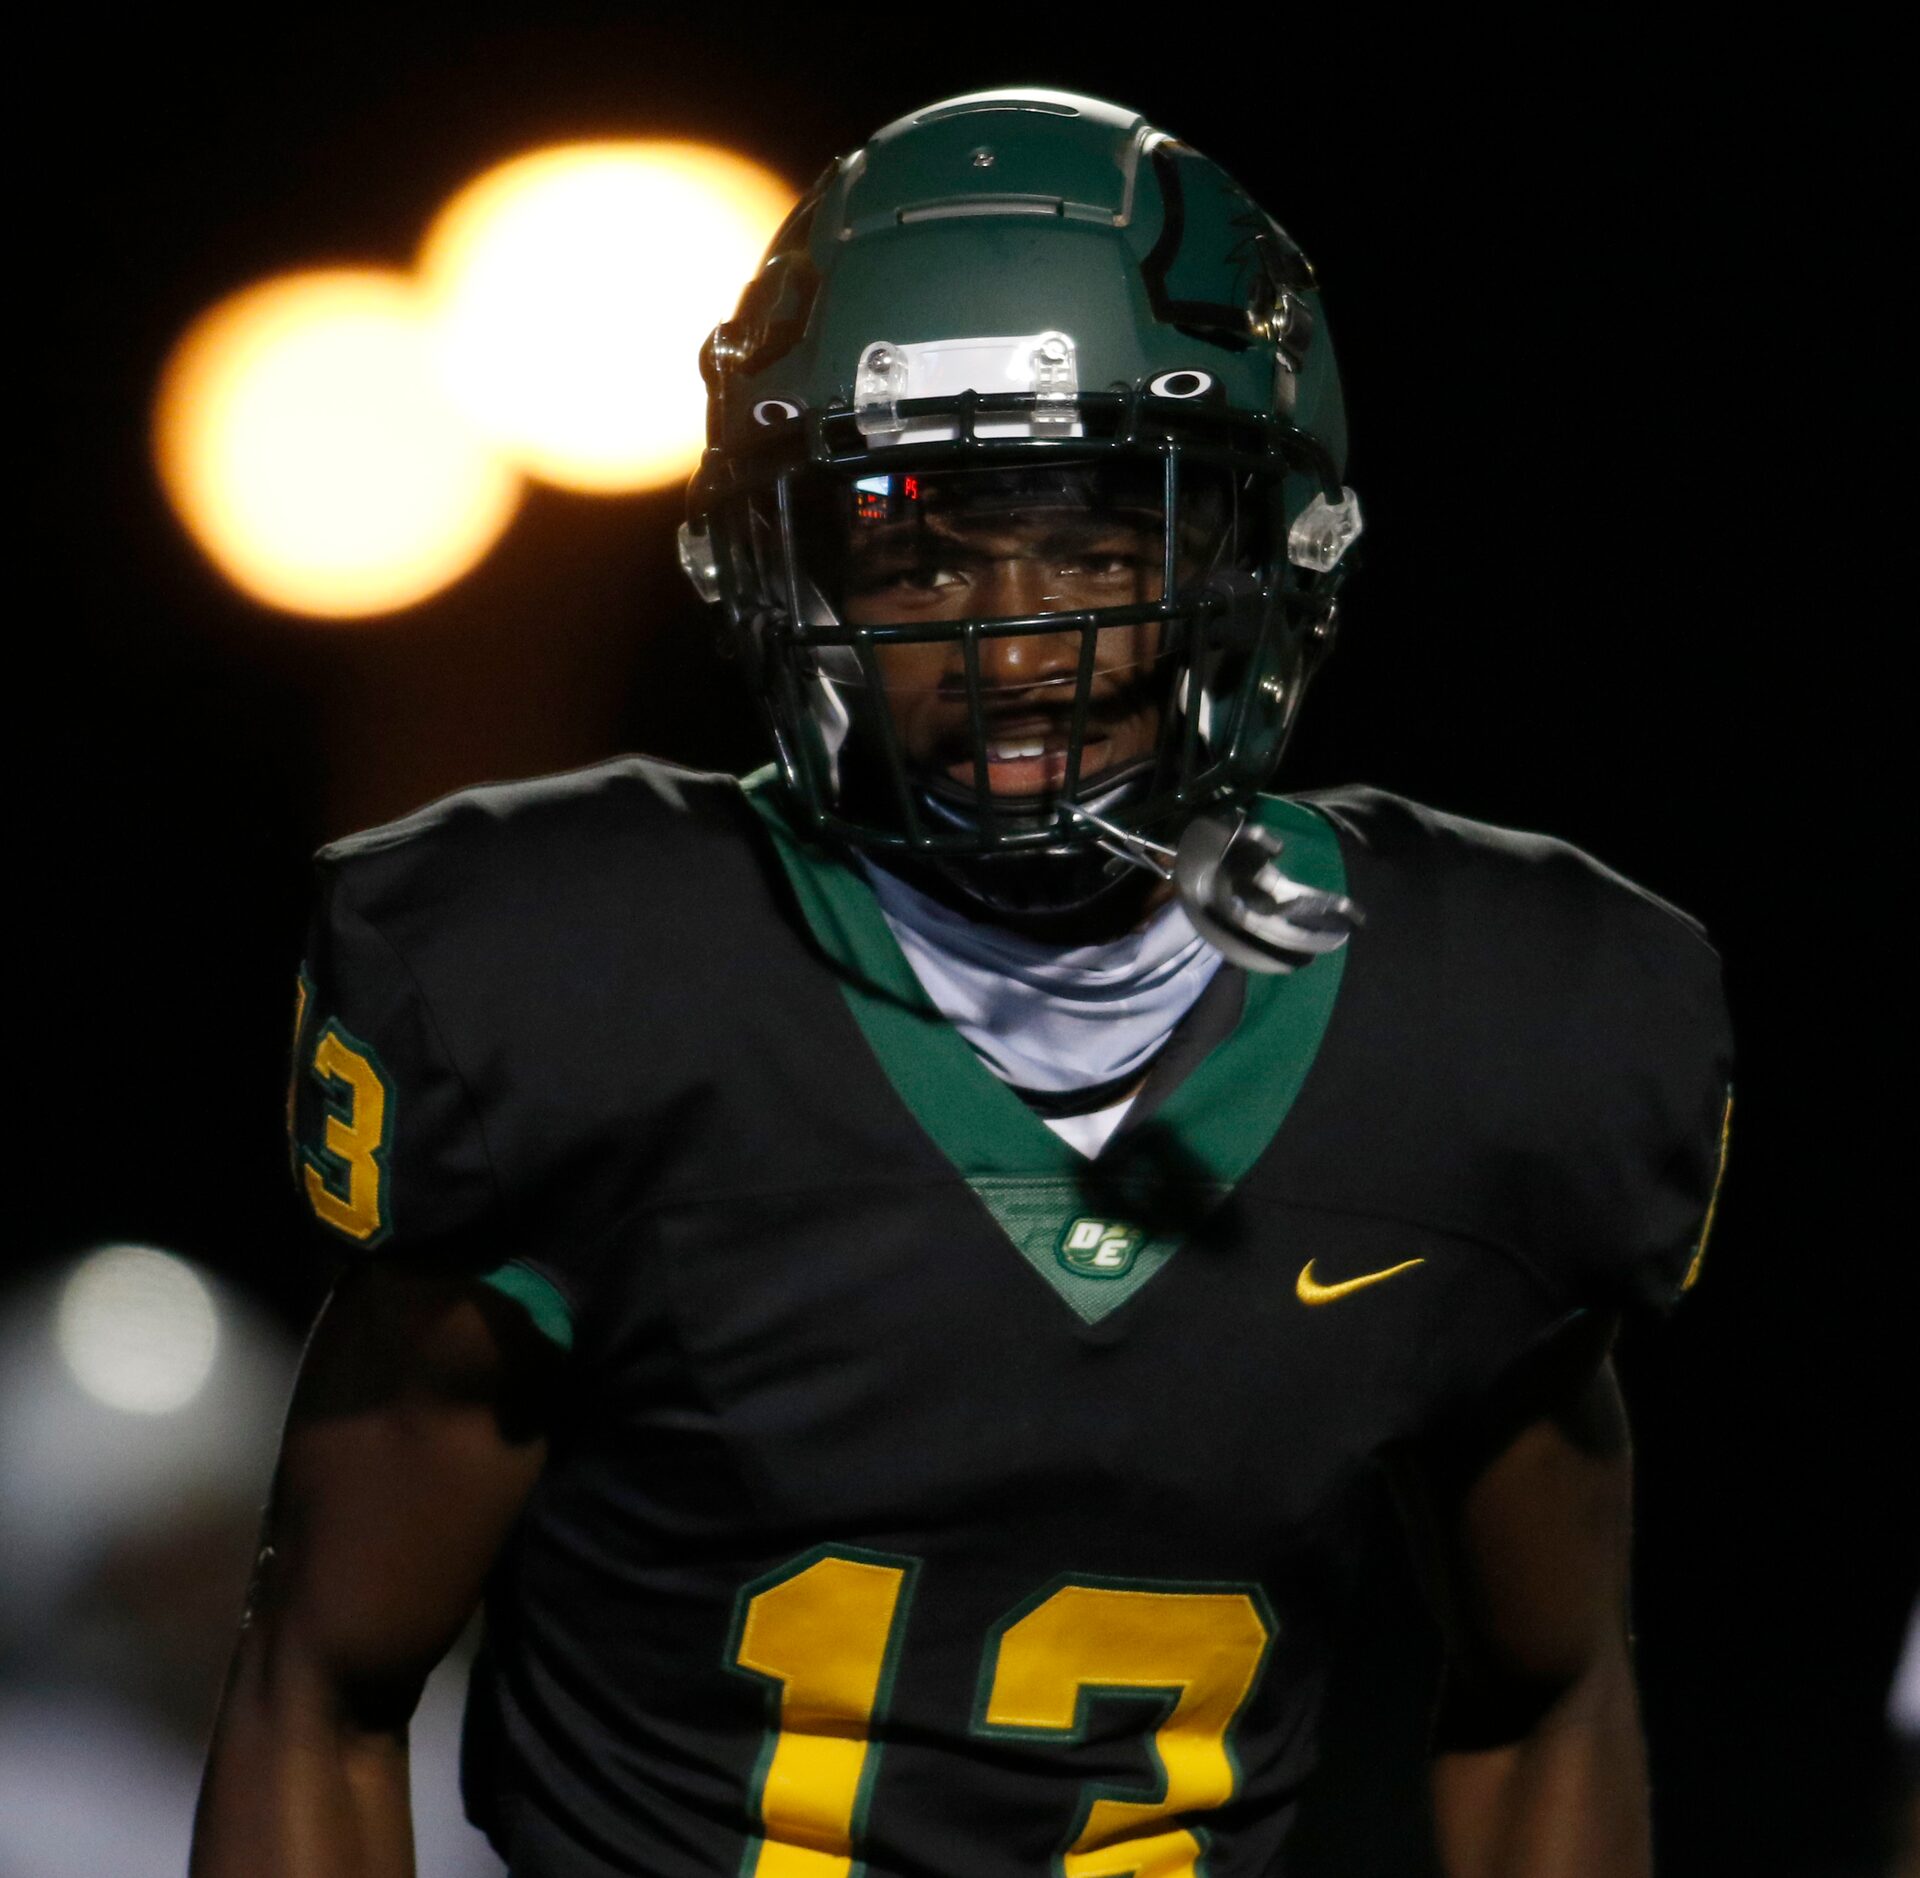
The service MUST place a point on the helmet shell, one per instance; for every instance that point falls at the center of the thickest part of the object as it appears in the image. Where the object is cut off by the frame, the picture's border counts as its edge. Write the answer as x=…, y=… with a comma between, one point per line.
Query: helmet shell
x=988, y=228
x=1022, y=211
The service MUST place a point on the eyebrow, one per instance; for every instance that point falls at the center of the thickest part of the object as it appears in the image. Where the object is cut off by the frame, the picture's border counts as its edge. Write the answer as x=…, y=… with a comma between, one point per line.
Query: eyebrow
x=911, y=535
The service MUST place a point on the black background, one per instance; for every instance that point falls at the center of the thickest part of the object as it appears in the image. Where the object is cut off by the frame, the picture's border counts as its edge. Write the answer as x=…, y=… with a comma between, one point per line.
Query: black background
x=1620, y=372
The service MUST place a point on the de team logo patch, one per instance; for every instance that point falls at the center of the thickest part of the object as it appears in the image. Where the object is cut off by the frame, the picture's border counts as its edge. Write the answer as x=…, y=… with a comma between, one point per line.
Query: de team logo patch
x=1100, y=1248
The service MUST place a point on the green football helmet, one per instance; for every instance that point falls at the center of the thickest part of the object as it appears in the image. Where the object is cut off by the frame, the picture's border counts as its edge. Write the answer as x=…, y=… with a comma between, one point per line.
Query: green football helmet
x=1009, y=307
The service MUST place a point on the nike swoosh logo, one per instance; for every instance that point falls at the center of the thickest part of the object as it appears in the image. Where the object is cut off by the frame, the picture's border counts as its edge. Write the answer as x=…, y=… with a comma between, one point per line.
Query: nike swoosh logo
x=1308, y=1292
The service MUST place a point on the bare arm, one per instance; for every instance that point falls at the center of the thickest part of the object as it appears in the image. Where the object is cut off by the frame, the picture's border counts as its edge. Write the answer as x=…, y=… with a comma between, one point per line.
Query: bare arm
x=1539, y=1767
x=413, y=1440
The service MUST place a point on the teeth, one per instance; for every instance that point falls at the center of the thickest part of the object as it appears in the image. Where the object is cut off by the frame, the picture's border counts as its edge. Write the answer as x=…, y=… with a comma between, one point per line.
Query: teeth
x=1014, y=752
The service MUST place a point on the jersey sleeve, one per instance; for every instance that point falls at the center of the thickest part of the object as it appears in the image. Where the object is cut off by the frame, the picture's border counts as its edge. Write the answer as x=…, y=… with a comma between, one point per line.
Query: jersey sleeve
x=388, y=1148
x=1640, y=1106
x=480, y=1081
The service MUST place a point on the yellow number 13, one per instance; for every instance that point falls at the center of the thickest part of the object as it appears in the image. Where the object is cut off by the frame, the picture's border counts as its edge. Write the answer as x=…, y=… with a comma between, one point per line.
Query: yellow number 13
x=345, y=1176
x=826, y=1631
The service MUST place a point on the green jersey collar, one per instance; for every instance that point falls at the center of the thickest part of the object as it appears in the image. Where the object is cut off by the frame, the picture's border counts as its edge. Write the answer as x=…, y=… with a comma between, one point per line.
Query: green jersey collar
x=1095, y=1229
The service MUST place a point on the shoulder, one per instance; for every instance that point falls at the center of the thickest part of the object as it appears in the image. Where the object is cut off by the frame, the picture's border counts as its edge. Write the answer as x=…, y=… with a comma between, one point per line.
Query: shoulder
x=630, y=854
x=533, y=972
x=1554, y=1038
x=578, y=826
x=554, y=897
x=1510, y=898
x=1455, y=852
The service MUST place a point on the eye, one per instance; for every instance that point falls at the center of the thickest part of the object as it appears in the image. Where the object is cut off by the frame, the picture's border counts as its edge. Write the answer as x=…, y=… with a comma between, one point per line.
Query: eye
x=903, y=576
x=771, y=411
x=1181, y=384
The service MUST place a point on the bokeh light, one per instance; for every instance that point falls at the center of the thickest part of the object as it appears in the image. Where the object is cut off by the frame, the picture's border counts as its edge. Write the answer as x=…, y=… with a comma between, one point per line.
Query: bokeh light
x=572, y=289
x=138, y=1329
x=308, y=444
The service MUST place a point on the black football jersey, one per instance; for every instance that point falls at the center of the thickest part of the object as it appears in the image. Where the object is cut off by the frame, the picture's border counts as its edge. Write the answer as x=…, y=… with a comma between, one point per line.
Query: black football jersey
x=926, y=1498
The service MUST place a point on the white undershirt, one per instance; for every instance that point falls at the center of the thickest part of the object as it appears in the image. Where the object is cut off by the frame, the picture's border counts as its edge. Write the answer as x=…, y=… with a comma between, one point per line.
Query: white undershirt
x=1053, y=1017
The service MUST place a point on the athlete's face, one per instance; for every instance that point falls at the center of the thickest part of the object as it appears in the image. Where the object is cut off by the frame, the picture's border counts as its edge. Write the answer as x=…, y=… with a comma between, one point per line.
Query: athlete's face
x=999, y=562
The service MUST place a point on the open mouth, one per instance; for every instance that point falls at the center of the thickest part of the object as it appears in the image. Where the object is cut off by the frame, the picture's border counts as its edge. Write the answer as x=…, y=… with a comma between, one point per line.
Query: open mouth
x=1028, y=757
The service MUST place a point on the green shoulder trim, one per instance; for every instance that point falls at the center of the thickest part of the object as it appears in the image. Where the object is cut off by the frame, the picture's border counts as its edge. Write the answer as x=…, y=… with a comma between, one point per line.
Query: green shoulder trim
x=539, y=1297
x=1096, y=1230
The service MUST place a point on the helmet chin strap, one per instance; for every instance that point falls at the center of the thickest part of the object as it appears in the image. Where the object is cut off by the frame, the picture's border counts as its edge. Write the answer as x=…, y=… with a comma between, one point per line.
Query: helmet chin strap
x=1225, y=869
x=1154, y=856
x=1038, y=885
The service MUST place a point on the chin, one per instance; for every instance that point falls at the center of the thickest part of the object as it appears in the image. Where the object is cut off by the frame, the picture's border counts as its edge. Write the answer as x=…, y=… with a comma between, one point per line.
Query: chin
x=1082, y=897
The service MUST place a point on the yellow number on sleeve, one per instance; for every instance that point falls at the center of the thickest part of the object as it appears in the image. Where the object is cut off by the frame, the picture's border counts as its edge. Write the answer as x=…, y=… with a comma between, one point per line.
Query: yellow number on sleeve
x=825, y=1630
x=346, y=1177
x=1203, y=1648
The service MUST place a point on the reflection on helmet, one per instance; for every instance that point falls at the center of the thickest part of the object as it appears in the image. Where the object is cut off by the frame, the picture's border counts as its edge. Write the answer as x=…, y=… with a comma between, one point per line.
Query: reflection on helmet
x=1023, y=492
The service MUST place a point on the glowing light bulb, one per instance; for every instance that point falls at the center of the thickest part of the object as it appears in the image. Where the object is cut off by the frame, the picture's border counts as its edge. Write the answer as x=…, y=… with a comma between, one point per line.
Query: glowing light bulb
x=572, y=288
x=306, y=440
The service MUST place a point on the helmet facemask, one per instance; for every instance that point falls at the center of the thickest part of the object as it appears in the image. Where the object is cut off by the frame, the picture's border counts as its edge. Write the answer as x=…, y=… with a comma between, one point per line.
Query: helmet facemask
x=1011, y=660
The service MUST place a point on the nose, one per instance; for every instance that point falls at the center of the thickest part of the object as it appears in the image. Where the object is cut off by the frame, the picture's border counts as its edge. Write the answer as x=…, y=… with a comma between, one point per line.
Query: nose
x=1019, y=587
x=1013, y=661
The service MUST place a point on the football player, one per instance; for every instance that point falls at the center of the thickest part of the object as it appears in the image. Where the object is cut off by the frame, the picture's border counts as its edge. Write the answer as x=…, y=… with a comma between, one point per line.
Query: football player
x=891, y=1278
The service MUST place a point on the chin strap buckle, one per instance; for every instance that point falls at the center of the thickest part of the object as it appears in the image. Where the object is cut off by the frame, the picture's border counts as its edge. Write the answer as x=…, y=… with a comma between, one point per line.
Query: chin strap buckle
x=1240, y=902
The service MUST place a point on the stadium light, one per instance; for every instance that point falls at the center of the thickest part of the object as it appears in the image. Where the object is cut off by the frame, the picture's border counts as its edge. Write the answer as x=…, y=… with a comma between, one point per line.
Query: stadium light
x=137, y=1329
x=306, y=441
x=571, y=290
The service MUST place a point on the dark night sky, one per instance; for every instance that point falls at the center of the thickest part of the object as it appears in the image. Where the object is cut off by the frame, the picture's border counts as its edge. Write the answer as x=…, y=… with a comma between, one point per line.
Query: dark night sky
x=1614, y=343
